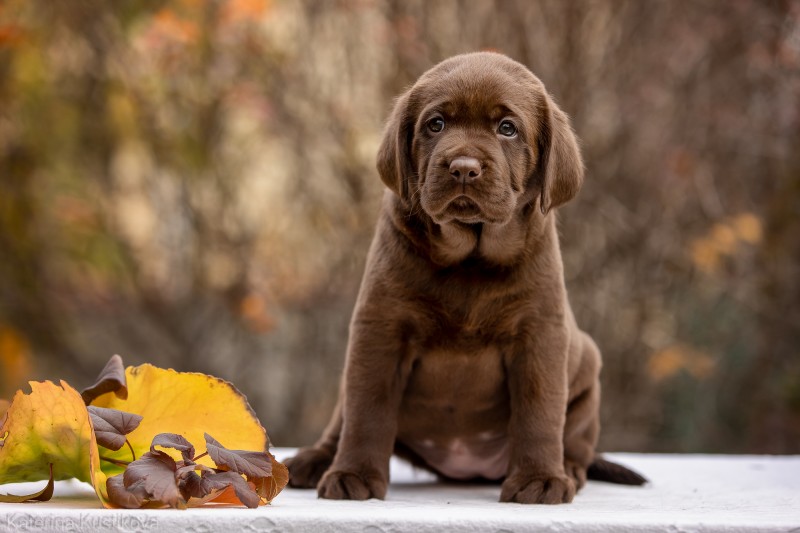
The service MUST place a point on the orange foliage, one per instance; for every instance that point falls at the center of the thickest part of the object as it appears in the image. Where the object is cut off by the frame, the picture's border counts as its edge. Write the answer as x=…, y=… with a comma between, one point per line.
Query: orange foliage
x=253, y=310
x=725, y=239
x=671, y=360
x=11, y=35
x=15, y=359
x=169, y=28
x=244, y=10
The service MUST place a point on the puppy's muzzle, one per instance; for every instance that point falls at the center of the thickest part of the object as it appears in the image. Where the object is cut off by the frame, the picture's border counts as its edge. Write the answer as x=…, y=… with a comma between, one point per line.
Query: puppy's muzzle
x=465, y=169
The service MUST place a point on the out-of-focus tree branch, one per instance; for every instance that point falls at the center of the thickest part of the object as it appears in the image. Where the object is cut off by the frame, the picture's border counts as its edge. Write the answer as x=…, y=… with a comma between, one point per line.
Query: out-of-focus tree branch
x=193, y=184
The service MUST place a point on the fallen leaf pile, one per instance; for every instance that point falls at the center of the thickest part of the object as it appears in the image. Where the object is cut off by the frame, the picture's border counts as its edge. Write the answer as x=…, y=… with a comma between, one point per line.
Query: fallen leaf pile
x=132, y=435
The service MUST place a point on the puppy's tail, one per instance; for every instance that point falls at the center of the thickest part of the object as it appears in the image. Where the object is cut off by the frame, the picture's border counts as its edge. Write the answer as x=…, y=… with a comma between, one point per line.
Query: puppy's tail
x=603, y=470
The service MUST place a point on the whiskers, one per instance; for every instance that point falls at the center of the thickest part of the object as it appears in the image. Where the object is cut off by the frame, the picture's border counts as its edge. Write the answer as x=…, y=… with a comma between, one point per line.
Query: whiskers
x=415, y=201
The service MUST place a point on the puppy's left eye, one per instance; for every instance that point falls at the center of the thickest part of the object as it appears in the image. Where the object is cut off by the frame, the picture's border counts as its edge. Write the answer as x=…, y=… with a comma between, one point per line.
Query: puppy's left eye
x=507, y=128
x=436, y=124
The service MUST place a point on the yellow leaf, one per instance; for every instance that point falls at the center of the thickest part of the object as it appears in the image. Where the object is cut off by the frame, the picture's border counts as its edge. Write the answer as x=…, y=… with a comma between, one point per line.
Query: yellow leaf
x=49, y=426
x=187, y=403
x=42, y=495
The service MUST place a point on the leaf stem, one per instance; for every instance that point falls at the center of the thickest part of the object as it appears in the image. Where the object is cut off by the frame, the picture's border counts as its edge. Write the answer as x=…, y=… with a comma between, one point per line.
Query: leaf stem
x=114, y=461
x=200, y=456
x=133, y=453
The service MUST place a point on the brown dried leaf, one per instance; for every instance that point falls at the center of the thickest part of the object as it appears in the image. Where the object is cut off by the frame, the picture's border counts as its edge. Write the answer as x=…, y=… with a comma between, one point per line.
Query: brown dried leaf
x=175, y=441
x=111, y=426
x=219, y=487
x=216, y=497
x=244, y=491
x=42, y=496
x=132, y=497
x=111, y=379
x=156, y=470
x=269, y=487
x=191, y=485
x=252, y=464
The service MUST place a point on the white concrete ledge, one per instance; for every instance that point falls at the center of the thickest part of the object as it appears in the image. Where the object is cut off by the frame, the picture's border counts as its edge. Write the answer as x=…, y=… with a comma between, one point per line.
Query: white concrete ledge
x=692, y=493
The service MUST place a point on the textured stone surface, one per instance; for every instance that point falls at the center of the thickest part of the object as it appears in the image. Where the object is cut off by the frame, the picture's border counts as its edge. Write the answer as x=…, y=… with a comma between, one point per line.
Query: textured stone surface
x=687, y=493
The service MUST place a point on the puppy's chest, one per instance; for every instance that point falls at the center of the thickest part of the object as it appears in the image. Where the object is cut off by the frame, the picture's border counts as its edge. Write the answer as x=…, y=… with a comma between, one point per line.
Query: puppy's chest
x=458, y=362
x=440, y=374
x=457, y=389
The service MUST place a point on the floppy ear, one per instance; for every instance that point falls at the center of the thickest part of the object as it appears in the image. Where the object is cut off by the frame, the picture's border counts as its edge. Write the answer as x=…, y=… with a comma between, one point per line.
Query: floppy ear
x=394, y=155
x=560, y=168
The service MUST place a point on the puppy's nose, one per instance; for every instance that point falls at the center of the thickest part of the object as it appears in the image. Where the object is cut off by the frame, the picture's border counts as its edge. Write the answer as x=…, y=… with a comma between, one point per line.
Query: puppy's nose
x=465, y=169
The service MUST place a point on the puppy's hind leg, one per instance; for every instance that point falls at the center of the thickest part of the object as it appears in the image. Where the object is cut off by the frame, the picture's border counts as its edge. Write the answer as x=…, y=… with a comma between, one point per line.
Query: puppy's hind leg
x=310, y=464
x=582, y=427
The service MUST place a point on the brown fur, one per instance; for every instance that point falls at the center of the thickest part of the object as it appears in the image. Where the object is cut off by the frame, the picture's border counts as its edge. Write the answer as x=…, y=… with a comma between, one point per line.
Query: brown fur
x=463, y=348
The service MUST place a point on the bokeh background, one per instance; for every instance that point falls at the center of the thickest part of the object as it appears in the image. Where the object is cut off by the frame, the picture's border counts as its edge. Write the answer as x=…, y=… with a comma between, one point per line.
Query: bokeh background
x=191, y=183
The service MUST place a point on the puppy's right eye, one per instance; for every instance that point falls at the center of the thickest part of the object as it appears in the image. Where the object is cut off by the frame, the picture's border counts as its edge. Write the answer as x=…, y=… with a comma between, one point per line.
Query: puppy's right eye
x=436, y=124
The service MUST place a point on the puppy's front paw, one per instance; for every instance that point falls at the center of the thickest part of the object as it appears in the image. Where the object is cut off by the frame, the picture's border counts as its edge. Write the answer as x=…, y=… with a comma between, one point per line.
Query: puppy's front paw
x=340, y=485
x=307, y=467
x=531, y=489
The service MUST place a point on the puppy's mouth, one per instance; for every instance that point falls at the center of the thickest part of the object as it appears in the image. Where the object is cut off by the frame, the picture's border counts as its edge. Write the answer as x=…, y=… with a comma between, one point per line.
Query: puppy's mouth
x=464, y=209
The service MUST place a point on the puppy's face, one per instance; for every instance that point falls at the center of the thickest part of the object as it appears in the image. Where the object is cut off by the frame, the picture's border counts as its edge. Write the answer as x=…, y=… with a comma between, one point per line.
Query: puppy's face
x=476, y=139
x=474, y=143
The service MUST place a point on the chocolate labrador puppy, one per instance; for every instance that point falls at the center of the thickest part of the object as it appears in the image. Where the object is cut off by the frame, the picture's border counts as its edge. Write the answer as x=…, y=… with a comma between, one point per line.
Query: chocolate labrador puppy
x=464, y=355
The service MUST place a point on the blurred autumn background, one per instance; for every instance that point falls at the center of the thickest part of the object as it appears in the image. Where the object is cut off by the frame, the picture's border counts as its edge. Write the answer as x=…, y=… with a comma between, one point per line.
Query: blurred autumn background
x=191, y=183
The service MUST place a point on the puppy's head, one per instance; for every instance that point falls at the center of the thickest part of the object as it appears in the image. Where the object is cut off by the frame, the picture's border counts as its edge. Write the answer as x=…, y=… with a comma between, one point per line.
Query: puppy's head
x=476, y=139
